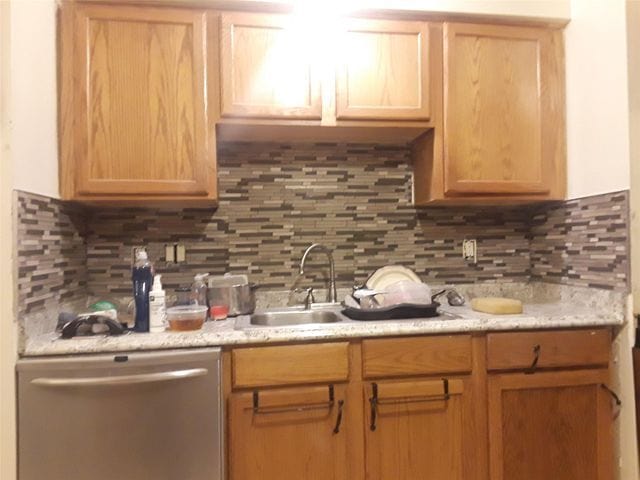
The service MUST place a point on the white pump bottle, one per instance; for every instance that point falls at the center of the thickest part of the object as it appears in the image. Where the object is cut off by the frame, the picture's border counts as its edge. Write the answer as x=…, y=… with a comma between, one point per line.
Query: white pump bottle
x=157, y=307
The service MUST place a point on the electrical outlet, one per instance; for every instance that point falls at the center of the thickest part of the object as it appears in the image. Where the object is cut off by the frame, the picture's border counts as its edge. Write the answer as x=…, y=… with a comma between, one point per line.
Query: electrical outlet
x=470, y=250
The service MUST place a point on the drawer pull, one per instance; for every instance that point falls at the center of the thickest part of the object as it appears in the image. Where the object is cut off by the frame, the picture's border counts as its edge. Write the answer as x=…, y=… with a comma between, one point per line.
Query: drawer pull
x=257, y=409
x=534, y=364
x=613, y=394
x=336, y=429
x=374, y=401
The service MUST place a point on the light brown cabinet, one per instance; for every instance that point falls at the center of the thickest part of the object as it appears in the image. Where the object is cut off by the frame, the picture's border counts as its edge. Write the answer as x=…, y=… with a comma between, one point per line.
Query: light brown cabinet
x=383, y=71
x=146, y=90
x=418, y=429
x=550, y=425
x=279, y=71
x=295, y=432
x=267, y=68
x=136, y=119
x=503, y=131
x=546, y=422
x=459, y=407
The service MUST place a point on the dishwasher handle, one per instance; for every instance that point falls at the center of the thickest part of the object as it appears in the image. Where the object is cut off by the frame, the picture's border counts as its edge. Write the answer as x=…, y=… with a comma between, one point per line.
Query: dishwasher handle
x=121, y=380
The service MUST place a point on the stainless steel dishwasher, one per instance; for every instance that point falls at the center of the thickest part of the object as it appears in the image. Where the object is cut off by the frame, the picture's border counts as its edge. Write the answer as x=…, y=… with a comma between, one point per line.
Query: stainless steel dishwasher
x=131, y=416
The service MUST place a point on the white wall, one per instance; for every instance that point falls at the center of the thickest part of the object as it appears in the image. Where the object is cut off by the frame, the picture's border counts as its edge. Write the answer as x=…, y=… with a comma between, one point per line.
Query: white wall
x=33, y=99
x=633, y=35
x=597, y=98
x=633, y=55
x=28, y=161
x=8, y=336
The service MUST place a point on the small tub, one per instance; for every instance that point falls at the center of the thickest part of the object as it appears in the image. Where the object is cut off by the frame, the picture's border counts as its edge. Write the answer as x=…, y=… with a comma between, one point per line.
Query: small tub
x=186, y=317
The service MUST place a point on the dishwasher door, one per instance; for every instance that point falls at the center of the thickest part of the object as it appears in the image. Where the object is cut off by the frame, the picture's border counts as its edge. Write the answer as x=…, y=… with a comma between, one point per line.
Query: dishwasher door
x=134, y=416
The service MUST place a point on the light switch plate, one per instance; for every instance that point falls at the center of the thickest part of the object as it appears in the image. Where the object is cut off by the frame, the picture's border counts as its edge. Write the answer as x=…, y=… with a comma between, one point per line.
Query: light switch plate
x=181, y=253
x=170, y=253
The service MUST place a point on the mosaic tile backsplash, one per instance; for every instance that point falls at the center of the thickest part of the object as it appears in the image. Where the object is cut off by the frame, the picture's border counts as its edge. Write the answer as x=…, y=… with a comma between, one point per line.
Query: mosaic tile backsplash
x=276, y=200
x=51, y=253
x=582, y=242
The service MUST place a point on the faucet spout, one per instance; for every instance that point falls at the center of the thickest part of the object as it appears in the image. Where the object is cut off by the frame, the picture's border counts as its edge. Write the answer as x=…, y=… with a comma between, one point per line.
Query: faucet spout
x=332, y=273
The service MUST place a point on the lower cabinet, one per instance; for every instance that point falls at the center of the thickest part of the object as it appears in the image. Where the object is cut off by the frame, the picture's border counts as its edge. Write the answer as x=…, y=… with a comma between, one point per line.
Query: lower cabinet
x=416, y=429
x=289, y=433
x=505, y=406
x=554, y=425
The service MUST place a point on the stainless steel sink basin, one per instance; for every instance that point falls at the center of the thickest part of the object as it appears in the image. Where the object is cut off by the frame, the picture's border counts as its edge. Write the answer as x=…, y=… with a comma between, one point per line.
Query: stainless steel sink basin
x=297, y=317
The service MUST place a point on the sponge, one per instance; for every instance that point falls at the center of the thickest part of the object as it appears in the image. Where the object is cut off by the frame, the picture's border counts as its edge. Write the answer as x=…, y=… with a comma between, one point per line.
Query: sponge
x=497, y=305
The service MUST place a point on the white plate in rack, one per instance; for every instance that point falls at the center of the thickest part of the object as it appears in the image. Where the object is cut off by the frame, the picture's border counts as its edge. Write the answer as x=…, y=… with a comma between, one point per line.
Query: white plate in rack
x=385, y=276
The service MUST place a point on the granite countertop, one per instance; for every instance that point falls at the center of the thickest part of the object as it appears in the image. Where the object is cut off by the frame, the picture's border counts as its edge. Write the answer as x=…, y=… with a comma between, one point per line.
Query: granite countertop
x=549, y=315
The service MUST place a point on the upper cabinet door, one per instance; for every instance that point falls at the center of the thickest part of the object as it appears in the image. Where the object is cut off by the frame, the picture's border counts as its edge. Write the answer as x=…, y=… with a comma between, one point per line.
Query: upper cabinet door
x=267, y=68
x=504, y=120
x=139, y=102
x=383, y=71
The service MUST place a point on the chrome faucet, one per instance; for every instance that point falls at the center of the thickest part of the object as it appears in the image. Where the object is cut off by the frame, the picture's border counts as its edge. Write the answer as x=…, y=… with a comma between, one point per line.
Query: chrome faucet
x=333, y=294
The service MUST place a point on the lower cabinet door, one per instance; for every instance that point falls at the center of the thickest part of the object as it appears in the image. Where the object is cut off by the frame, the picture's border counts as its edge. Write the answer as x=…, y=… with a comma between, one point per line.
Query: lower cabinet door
x=291, y=433
x=554, y=425
x=416, y=430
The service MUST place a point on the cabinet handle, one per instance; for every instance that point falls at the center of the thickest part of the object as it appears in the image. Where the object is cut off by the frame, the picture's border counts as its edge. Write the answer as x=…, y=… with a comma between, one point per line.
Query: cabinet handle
x=336, y=429
x=613, y=394
x=536, y=356
x=374, y=401
x=257, y=409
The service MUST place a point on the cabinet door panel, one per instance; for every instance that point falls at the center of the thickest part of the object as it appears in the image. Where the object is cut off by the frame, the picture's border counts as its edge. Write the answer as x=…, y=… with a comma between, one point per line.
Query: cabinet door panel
x=419, y=435
x=291, y=436
x=550, y=425
x=267, y=68
x=384, y=71
x=496, y=134
x=140, y=104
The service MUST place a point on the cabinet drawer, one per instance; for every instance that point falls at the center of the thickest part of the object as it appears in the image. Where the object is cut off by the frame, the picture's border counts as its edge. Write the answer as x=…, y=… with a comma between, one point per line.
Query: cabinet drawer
x=566, y=348
x=416, y=356
x=290, y=364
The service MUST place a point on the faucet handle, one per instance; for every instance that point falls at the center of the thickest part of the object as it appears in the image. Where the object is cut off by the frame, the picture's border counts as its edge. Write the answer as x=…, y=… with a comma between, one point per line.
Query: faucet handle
x=309, y=299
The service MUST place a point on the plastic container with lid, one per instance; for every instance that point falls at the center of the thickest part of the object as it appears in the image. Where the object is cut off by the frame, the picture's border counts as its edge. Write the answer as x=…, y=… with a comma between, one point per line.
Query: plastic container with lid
x=186, y=317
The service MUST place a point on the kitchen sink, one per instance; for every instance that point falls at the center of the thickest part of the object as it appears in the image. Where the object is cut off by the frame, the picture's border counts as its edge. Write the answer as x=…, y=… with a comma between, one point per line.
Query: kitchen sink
x=296, y=317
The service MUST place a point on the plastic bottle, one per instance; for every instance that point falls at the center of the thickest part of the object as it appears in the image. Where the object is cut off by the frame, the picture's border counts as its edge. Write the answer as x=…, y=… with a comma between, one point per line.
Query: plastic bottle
x=157, y=307
x=142, y=277
x=199, y=291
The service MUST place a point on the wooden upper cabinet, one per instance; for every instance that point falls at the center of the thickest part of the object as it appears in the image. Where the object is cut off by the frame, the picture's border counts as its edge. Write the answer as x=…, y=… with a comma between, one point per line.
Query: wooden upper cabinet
x=267, y=68
x=555, y=425
x=504, y=111
x=383, y=71
x=134, y=118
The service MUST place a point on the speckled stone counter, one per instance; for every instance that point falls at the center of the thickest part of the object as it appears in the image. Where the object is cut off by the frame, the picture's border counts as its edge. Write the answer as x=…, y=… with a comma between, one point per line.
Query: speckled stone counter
x=550, y=315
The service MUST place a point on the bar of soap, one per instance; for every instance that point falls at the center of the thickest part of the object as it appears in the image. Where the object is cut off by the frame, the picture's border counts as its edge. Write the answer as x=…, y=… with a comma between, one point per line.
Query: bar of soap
x=497, y=305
